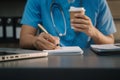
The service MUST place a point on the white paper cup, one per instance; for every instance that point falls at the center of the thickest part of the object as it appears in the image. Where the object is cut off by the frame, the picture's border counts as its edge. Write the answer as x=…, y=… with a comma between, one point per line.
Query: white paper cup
x=74, y=10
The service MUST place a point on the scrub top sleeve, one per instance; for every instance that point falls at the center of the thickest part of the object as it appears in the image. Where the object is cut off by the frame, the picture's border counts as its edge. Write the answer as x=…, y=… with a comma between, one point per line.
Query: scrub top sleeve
x=105, y=22
x=32, y=15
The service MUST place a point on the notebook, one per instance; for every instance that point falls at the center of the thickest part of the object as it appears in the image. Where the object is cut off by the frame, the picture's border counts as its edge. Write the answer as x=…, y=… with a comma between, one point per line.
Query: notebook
x=7, y=54
x=70, y=50
x=106, y=49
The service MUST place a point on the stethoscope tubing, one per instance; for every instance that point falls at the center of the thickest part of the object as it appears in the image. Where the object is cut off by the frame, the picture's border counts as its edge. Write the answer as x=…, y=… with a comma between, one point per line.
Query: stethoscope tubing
x=64, y=19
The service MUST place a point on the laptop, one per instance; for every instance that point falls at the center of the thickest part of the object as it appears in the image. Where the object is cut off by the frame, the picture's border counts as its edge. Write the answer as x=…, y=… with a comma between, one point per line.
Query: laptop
x=7, y=54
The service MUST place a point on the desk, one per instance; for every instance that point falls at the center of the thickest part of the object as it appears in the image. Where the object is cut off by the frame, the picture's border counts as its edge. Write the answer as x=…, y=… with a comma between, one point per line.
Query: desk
x=81, y=67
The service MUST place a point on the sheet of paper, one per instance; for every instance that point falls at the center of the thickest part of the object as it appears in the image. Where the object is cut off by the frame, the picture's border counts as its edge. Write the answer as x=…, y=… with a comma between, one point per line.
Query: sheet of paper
x=66, y=50
x=106, y=46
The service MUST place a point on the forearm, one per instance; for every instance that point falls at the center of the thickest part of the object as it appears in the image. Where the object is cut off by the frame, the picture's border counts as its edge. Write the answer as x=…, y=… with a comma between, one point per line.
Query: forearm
x=100, y=38
x=27, y=37
x=27, y=42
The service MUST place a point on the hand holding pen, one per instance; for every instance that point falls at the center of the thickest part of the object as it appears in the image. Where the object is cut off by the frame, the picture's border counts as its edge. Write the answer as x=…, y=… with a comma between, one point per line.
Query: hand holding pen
x=45, y=41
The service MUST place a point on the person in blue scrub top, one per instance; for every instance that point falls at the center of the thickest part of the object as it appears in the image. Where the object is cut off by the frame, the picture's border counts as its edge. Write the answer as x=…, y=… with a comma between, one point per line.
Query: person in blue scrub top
x=95, y=27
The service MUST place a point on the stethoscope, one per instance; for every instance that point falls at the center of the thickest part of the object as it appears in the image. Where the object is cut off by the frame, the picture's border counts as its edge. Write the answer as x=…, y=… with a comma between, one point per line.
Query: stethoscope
x=63, y=16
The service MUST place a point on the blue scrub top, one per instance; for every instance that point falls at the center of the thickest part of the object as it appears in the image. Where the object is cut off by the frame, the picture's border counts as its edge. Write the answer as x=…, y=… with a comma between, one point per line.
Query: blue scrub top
x=38, y=11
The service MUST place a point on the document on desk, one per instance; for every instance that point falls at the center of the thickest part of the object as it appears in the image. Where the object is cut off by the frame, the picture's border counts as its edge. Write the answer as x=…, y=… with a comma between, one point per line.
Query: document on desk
x=71, y=50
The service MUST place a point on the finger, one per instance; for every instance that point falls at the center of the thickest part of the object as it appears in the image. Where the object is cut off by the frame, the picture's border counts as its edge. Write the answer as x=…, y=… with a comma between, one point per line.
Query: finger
x=58, y=47
x=80, y=26
x=57, y=40
x=48, y=37
x=78, y=30
x=49, y=45
x=81, y=16
x=80, y=21
x=50, y=41
x=45, y=44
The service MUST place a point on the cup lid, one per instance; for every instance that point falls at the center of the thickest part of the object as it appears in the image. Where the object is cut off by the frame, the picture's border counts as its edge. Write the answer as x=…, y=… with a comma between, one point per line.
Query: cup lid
x=76, y=9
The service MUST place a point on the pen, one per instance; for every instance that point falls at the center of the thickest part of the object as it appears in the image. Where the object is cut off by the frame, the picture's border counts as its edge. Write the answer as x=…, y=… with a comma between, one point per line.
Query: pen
x=41, y=27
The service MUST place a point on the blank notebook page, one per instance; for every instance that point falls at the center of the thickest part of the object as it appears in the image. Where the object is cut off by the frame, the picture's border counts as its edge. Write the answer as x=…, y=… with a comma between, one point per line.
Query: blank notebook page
x=66, y=50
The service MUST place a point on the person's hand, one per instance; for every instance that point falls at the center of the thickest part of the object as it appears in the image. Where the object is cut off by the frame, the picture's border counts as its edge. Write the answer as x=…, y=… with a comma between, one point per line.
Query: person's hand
x=46, y=42
x=82, y=23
